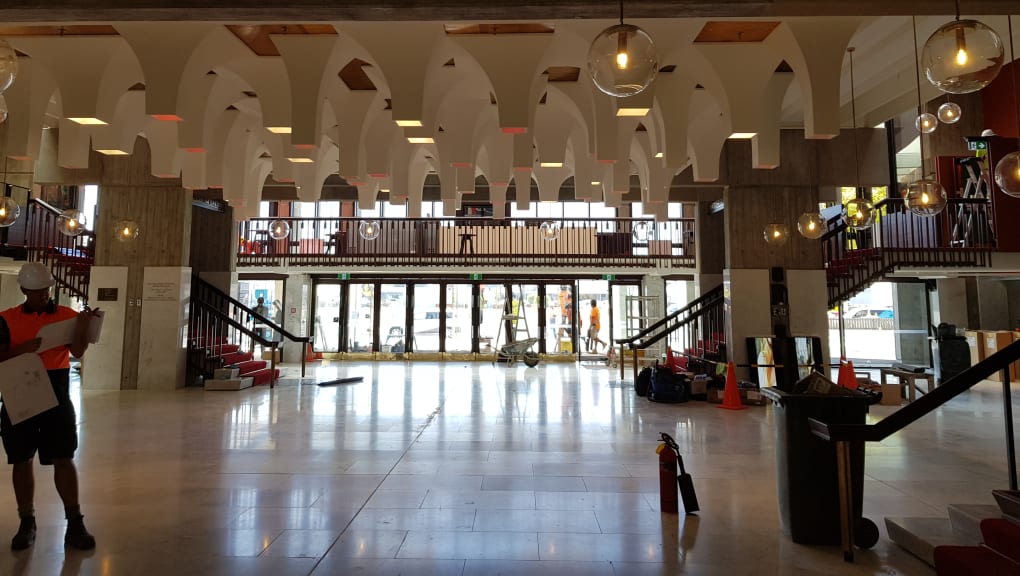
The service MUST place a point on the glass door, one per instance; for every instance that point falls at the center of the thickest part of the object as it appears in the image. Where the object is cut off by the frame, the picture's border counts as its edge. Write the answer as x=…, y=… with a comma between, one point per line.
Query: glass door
x=456, y=319
x=393, y=318
x=560, y=319
x=426, y=318
x=328, y=300
x=627, y=315
x=493, y=306
x=361, y=298
x=597, y=315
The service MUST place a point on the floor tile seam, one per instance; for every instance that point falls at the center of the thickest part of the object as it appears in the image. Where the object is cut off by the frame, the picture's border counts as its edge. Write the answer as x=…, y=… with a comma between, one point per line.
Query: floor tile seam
x=428, y=422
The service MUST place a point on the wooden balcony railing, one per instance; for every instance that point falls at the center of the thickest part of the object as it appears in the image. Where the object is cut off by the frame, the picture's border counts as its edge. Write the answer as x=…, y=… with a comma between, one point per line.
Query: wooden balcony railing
x=618, y=242
x=69, y=258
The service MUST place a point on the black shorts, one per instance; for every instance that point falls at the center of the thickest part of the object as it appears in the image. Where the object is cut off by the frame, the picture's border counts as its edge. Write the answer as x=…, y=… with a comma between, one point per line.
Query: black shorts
x=54, y=433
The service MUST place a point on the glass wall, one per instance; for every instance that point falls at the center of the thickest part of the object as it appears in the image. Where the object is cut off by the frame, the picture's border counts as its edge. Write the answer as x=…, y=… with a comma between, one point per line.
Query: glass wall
x=457, y=326
x=559, y=319
x=426, y=318
x=393, y=317
x=597, y=290
x=359, y=317
x=326, y=337
x=677, y=295
x=493, y=305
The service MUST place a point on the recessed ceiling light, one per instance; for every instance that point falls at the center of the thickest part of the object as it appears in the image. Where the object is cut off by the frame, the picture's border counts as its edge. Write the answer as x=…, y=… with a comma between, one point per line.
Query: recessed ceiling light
x=742, y=135
x=279, y=129
x=301, y=160
x=632, y=111
x=551, y=164
x=88, y=121
x=421, y=140
x=409, y=123
x=112, y=152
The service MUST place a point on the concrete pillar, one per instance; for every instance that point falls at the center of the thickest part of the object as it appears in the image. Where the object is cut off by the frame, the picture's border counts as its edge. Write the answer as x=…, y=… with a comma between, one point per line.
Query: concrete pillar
x=297, y=310
x=949, y=303
x=911, y=323
x=993, y=302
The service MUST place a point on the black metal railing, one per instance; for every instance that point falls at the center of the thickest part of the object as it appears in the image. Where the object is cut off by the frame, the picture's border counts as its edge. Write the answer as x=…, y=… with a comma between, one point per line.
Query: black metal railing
x=217, y=318
x=696, y=331
x=69, y=258
x=627, y=242
x=959, y=236
x=851, y=437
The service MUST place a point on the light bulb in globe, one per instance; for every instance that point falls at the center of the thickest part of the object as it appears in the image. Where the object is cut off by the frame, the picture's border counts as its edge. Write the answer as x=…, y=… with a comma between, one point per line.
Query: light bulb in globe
x=926, y=197
x=549, y=230
x=776, y=234
x=859, y=213
x=622, y=60
x=9, y=211
x=811, y=225
x=127, y=230
x=1007, y=174
x=369, y=229
x=279, y=229
x=71, y=222
x=949, y=113
x=926, y=123
x=962, y=56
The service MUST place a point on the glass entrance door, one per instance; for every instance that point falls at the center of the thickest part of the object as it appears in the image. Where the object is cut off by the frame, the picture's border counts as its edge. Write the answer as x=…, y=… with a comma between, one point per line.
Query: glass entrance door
x=360, y=334
x=328, y=312
x=456, y=324
x=596, y=313
x=426, y=318
x=393, y=318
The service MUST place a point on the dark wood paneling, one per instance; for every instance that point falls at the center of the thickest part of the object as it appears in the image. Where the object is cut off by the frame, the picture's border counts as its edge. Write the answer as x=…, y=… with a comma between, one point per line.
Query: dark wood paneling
x=750, y=209
x=212, y=240
x=711, y=241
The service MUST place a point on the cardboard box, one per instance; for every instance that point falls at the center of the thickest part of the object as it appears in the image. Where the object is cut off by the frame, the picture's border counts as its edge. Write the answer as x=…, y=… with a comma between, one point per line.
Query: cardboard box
x=715, y=395
x=268, y=355
x=750, y=397
x=226, y=373
x=230, y=384
x=892, y=395
x=995, y=341
x=976, y=342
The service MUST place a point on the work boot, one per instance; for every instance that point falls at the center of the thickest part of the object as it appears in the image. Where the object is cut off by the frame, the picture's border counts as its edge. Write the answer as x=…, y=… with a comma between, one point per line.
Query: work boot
x=26, y=534
x=77, y=536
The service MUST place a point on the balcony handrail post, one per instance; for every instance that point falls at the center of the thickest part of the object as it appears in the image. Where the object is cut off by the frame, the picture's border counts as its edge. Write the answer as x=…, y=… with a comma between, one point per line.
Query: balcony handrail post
x=1007, y=413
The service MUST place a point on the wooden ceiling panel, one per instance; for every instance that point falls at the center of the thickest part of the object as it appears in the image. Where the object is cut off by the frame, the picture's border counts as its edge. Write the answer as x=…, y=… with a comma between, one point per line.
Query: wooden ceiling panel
x=72, y=30
x=353, y=75
x=508, y=28
x=735, y=31
x=563, y=73
x=256, y=37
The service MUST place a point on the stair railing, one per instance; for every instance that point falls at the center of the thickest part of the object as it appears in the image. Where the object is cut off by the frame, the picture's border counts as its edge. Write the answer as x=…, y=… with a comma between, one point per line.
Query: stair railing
x=69, y=258
x=211, y=328
x=245, y=317
x=851, y=437
x=701, y=321
x=959, y=236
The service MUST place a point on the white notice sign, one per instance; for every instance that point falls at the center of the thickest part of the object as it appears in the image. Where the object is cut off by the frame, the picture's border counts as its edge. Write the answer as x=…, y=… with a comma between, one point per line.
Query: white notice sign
x=26, y=387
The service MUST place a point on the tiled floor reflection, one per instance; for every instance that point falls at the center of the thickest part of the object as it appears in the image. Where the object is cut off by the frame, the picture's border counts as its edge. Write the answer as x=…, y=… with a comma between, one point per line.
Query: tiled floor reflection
x=466, y=469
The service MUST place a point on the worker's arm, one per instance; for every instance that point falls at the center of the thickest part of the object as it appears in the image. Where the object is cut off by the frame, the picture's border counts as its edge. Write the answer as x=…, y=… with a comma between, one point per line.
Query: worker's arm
x=81, y=332
x=7, y=352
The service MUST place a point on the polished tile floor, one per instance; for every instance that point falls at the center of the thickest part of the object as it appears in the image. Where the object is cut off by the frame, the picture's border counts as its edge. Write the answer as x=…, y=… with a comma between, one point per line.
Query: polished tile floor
x=466, y=469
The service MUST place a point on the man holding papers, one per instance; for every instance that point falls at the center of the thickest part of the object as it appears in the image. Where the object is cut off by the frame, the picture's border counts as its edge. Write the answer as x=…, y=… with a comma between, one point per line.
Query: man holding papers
x=53, y=433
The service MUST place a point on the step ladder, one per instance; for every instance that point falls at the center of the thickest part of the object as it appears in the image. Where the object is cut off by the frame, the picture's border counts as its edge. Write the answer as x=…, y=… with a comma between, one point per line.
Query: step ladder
x=968, y=217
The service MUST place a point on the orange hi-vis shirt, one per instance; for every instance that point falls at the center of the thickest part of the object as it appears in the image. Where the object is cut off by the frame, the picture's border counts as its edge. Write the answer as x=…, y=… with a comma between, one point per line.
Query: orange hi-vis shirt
x=595, y=314
x=24, y=326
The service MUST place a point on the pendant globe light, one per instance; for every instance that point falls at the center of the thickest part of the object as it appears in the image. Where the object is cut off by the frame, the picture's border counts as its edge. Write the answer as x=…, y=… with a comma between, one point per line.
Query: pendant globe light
x=8, y=65
x=776, y=234
x=643, y=232
x=369, y=229
x=71, y=222
x=859, y=213
x=279, y=229
x=949, y=112
x=622, y=60
x=9, y=209
x=962, y=56
x=924, y=197
x=549, y=230
x=127, y=230
x=811, y=225
x=1007, y=169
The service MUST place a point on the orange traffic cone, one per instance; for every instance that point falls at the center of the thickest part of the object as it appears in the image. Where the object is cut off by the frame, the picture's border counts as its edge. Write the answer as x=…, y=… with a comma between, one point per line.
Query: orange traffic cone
x=851, y=376
x=309, y=354
x=731, y=395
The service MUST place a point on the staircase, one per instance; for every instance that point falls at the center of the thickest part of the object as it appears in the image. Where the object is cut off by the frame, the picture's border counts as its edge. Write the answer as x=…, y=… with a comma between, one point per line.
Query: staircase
x=225, y=333
x=854, y=259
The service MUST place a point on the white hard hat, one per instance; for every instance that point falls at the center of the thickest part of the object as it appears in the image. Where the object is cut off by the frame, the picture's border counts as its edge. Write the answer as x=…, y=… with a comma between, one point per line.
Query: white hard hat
x=988, y=132
x=35, y=276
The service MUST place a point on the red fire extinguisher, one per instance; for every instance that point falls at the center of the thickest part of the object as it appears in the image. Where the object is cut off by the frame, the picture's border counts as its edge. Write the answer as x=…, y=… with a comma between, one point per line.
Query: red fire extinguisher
x=667, y=452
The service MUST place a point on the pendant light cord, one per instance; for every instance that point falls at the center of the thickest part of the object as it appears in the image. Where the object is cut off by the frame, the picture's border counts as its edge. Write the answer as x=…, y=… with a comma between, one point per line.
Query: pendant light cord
x=957, y=10
x=1012, y=75
x=621, y=12
x=920, y=111
x=853, y=120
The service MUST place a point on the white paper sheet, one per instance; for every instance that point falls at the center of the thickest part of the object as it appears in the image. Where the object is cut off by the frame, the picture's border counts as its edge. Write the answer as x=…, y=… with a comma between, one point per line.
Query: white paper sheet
x=62, y=333
x=26, y=387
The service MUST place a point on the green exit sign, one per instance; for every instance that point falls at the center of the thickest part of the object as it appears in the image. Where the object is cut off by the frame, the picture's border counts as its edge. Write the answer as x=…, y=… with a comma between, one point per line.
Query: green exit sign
x=343, y=275
x=977, y=145
x=476, y=276
x=609, y=276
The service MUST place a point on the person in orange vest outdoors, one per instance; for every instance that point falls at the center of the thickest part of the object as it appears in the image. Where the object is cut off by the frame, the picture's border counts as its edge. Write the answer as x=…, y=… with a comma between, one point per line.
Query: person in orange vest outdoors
x=52, y=433
x=594, y=325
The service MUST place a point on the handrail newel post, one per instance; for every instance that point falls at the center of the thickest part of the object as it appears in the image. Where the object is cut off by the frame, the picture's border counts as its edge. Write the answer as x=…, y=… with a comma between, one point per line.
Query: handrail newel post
x=846, y=503
x=1007, y=415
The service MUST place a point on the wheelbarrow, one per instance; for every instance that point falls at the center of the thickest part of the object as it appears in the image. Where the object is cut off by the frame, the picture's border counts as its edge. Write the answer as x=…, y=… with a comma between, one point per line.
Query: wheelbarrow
x=520, y=350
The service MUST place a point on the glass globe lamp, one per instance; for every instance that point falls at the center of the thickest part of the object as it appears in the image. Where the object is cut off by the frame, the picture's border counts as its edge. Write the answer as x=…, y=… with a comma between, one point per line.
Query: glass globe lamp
x=3, y=115
x=549, y=230
x=127, y=230
x=926, y=123
x=9, y=211
x=859, y=214
x=8, y=65
x=962, y=56
x=622, y=60
x=369, y=229
x=776, y=234
x=926, y=197
x=1007, y=174
x=71, y=222
x=279, y=229
x=643, y=232
x=811, y=225
x=949, y=113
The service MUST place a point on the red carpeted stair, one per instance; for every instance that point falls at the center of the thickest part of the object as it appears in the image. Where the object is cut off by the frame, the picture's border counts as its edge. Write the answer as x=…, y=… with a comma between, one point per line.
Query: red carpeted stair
x=259, y=370
x=1000, y=554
